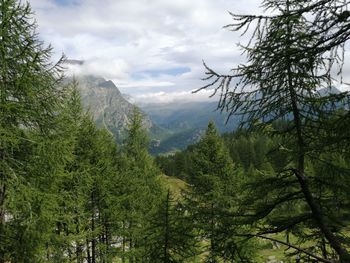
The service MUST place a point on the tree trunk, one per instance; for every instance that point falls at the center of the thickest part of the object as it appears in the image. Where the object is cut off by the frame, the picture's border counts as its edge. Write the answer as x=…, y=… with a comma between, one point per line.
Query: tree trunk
x=300, y=171
x=123, y=249
x=88, y=251
x=166, y=223
x=2, y=210
x=79, y=249
x=2, y=219
x=93, y=239
x=212, y=234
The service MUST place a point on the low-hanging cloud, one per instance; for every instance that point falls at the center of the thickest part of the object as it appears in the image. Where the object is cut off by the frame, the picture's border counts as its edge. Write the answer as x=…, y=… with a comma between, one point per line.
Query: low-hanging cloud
x=108, y=68
x=171, y=97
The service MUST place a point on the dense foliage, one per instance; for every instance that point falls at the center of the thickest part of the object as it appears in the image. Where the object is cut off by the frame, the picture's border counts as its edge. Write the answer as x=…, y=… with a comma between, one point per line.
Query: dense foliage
x=291, y=55
x=69, y=193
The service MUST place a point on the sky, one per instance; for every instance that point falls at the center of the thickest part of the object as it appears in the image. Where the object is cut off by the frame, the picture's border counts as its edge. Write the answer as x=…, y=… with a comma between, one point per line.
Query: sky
x=152, y=49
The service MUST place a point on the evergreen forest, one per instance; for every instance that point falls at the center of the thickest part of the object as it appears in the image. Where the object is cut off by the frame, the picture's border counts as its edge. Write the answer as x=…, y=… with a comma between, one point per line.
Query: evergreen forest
x=276, y=189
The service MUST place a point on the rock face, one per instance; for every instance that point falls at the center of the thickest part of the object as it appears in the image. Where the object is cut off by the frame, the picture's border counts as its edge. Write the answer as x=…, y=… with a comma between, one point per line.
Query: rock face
x=102, y=99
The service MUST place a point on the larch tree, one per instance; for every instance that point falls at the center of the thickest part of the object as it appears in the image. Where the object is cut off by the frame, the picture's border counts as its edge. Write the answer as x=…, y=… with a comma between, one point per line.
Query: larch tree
x=142, y=191
x=290, y=57
x=211, y=197
x=170, y=237
x=29, y=99
x=87, y=189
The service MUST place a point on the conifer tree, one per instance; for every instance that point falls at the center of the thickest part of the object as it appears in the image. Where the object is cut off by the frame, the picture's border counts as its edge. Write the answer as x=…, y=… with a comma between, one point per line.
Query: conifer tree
x=213, y=181
x=287, y=65
x=142, y=189
x=29, y=100
x=170, y=236
x=85, y=189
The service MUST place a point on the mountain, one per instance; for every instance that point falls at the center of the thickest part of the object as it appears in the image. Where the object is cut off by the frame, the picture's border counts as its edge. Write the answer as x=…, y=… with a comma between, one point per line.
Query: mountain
x=172, y=126
x=185, y=123
x=108, y=106
x=189, y=115
x=327, y=91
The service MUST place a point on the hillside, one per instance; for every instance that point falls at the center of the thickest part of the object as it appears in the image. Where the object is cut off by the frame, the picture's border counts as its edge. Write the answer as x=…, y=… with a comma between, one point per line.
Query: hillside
x=186, y=122
x=171, y=127
x=108, y=107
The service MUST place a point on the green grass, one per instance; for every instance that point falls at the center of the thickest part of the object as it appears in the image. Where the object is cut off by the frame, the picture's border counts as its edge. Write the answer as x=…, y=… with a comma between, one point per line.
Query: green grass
x=265, y=248
x=175, y=185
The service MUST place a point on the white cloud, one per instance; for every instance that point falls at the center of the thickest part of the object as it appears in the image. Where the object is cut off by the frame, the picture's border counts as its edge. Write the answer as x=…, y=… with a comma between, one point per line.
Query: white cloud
x=109, y=68
x=146, y=84
x=170, y=97
x=119, y=38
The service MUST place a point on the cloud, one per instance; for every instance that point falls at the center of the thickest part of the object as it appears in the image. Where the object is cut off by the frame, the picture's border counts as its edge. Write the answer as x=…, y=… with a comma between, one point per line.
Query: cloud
x=146, y=84
x=108, y=68
x=170, y=97
x=177, y=71
x=149, y=48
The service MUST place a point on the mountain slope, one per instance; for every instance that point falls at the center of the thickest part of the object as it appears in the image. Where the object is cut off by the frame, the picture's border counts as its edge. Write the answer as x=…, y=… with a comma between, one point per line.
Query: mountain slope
x=186, y=122
x=107, y=106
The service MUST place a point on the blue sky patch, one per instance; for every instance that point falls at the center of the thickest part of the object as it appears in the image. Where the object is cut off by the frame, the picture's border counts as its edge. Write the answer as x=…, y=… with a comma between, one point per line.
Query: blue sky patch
x=156, y=73
x=66, y=2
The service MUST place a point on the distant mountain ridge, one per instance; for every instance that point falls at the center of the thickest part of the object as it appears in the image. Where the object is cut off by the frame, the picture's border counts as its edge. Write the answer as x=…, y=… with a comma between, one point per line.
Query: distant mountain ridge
x=182, y=116
x=186, y=122
x=172, y=126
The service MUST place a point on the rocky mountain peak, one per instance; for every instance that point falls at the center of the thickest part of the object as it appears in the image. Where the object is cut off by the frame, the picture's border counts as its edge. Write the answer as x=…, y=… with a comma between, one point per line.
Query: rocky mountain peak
x=106, y=104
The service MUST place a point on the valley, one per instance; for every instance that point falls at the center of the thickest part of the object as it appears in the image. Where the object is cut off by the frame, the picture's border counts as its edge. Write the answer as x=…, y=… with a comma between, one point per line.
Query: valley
x=172, y=127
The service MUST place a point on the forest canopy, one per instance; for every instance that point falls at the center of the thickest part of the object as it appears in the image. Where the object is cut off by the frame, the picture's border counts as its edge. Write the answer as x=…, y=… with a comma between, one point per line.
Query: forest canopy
x=278, y=186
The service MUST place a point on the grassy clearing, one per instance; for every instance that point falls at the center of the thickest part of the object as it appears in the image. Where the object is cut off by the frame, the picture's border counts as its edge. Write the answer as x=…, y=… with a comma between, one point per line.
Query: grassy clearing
x=175, y=185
